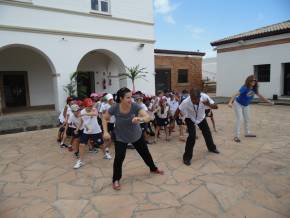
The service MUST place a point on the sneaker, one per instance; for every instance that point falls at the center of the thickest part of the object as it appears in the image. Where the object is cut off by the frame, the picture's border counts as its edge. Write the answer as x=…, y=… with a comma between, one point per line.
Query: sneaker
x=78, y=164
x=62, y=145
x=236, y=139
x=107, y=156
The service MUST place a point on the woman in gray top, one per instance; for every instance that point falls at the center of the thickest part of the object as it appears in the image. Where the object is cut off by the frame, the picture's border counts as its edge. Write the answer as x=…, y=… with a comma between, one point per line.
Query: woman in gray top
x=127, y=129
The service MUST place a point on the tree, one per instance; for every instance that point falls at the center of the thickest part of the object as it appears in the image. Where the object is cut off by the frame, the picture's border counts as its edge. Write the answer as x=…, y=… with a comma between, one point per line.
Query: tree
x=74, y=87
x=134, y=73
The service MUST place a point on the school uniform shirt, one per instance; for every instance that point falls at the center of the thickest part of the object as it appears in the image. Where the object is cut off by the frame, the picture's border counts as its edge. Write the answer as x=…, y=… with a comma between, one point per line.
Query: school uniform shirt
x=100, y=109
x=168, y=99
x=90, y=123
x=163, y=115
x=74, y=122
x=156, y=102
x=61, y=117
x=183, y=97
x=194, y=112
x=144, y=107
x=246, y=95
x=150, y=111
x=97, y=105
x=173, y=105
x=209, y=99
x=106, y=107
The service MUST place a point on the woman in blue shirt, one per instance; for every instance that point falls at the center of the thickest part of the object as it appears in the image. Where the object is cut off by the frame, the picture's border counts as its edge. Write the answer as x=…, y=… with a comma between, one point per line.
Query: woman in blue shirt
x=241, y=101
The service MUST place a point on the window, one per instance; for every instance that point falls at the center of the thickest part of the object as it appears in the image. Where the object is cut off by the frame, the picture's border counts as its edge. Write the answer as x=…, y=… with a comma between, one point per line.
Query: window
x=262, y=72
x=182, y=76
x=100, y=6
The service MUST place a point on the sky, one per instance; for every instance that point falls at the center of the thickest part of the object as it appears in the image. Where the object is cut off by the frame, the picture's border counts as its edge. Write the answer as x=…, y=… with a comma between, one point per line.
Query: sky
x=191, y=25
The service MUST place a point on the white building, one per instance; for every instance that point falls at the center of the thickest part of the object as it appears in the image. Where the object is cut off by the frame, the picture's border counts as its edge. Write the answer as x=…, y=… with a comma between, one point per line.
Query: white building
x=43, y=42
x=264, y=52
x=209, y=69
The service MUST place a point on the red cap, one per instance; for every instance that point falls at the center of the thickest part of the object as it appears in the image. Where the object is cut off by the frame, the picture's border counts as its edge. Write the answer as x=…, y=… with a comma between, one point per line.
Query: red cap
x=69, y=98
x=88, y=102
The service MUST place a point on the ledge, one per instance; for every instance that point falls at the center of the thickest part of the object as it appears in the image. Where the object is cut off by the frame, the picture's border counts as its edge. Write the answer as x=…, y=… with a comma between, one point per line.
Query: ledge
x=44, y=8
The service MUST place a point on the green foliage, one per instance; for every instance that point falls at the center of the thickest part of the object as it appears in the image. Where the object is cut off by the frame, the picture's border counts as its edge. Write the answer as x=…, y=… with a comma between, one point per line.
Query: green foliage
x=134, y=73
x=75, y=87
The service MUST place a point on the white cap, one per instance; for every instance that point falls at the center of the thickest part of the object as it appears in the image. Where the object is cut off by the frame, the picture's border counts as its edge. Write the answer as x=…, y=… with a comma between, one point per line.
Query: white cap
x=74, y=107
x=109, y=97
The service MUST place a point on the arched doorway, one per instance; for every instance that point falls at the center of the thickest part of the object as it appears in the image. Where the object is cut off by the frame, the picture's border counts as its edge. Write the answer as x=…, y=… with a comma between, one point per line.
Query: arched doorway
x=101, y=69
x=26, y=79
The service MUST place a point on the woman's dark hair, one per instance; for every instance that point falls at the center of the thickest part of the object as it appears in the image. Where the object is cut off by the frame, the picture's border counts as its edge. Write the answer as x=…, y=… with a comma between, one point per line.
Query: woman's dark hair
x=121, y=93
x=249, y=80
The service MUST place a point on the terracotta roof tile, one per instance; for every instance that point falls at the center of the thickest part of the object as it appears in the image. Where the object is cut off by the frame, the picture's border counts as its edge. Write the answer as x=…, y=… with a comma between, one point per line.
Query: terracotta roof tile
x=271, y=30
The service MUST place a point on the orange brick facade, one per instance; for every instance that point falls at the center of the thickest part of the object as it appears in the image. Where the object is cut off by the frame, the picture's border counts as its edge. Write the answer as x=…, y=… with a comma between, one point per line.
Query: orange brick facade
x=174, y=63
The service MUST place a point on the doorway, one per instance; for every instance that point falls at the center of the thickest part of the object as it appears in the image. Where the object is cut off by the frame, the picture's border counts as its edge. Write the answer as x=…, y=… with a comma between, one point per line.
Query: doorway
x=286, y=79
x=163, y=80
x=85, y=84
x=14, y=89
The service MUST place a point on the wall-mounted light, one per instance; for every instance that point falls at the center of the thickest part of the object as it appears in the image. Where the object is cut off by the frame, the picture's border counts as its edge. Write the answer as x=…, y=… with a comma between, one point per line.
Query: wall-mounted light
x=62, y=39
x=141, y=45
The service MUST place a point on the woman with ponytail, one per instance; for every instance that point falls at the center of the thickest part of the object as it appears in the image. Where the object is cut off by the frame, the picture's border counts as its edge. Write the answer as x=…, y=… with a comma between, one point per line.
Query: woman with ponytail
x=128, y=117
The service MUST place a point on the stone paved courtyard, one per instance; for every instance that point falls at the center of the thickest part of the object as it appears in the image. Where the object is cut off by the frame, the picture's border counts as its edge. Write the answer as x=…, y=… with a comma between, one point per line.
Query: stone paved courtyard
x=250, y=179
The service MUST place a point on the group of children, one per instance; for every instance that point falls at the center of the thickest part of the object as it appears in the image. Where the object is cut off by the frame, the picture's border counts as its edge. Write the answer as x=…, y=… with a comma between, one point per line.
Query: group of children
x=132, y=120
x=81, y=121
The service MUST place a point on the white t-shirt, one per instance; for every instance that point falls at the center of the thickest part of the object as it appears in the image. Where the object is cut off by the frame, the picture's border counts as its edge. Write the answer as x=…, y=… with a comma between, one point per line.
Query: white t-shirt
x=209, y=99
x=150, y=111
x=144, y=107
x=194, y=112
x=61, y=117
x=101, y=109
x=97, y=105
x=90, y=123
x=74, y=121
x=104, y=108
x=173, y=105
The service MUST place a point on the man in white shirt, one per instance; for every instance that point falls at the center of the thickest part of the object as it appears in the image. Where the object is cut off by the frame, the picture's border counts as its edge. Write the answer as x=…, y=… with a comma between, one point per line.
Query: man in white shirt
x=193, y=108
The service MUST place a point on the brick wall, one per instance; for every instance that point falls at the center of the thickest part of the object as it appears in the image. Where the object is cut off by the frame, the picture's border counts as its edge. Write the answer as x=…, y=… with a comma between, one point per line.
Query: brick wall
x=193, y=64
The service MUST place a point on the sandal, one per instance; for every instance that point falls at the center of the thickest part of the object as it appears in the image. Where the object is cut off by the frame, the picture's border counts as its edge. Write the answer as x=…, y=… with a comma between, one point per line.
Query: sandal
x=157, y=171
x=116, y=185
